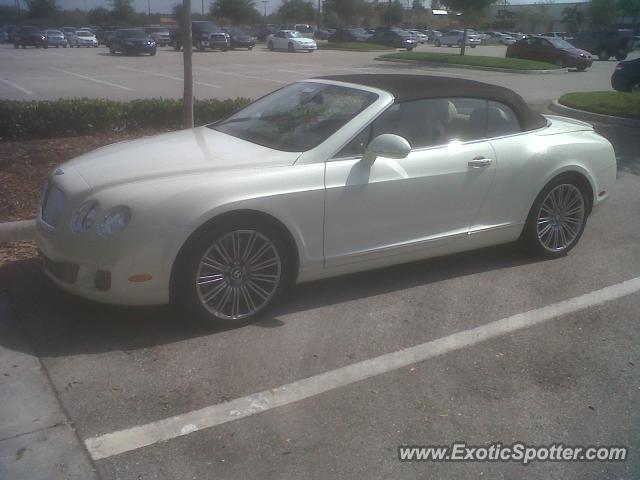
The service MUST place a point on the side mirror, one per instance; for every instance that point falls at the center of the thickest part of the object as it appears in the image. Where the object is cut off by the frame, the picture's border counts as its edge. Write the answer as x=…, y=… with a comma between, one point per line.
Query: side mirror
x=386, y=145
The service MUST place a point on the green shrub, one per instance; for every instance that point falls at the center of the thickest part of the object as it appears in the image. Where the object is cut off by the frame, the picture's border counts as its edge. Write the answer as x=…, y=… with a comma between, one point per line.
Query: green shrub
x=75, y=116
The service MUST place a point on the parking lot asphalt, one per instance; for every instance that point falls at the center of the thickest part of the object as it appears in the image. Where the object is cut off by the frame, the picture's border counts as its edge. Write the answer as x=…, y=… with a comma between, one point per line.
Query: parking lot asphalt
x=573, y=379
x=93, y=72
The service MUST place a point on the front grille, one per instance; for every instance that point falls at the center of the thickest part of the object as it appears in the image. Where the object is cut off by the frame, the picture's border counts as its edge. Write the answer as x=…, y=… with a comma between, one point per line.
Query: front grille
x=52, y=205
x=64, y=271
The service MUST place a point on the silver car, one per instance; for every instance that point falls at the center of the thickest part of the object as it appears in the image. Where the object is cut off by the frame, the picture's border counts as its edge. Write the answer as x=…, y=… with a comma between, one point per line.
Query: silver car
x=454, y=38
x=55, y=38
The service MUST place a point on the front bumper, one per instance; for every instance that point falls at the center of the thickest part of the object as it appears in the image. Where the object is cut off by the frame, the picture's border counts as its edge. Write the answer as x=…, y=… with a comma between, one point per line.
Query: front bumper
x=140, y=48
x=307, y=47
x=103, y=269
x=56, y=42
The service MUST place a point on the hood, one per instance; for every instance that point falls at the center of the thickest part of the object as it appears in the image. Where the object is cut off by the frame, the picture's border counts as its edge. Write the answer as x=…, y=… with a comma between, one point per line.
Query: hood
x=198, y=150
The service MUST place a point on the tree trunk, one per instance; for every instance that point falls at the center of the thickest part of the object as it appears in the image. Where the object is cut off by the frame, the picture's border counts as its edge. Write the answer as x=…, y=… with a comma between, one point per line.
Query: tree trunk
x=464, y=42
x=187, y=42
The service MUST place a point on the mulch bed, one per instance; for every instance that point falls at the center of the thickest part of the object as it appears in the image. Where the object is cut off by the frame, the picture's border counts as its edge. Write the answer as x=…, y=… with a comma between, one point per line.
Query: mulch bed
x=25, y=165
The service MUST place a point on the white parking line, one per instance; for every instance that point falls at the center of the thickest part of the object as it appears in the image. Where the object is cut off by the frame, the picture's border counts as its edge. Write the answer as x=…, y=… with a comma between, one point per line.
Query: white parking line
x=170, y=77
x=103, y=82
x=16, y=86
x=111, y=444
x=241, y=75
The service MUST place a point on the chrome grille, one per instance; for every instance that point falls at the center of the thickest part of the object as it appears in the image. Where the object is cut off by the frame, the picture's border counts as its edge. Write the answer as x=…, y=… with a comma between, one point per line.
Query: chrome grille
x=52, y=205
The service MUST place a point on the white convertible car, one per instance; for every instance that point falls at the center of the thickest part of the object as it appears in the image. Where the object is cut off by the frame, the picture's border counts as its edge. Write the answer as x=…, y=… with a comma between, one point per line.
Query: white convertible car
x=320, y=178
x=290, y=40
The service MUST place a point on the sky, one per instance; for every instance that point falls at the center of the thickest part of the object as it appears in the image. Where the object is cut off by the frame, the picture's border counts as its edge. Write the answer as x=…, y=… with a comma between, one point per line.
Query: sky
x=164, y=6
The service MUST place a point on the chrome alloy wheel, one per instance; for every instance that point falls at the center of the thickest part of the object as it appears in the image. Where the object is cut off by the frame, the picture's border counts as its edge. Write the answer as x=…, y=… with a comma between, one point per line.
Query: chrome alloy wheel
x=560, y=217
x=238, y=275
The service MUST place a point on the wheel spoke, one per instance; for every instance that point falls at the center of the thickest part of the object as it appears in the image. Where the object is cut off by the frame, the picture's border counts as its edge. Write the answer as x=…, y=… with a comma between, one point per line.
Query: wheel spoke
x=238, y=275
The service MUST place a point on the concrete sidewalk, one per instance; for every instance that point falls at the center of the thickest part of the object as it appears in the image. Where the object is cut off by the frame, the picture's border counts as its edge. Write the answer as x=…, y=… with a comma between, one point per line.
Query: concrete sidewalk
x=36, y=440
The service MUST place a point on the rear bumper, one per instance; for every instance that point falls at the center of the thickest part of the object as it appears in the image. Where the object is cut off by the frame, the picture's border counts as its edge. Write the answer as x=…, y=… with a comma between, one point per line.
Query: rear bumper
x=619, y=81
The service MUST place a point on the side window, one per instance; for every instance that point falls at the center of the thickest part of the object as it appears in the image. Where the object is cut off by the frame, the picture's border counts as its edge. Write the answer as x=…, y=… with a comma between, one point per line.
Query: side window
x=501, y=120
x=426, y=123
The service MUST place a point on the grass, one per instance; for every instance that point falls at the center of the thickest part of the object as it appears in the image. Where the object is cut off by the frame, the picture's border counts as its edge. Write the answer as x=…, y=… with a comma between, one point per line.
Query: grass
x=472, y=60
x=352, y=46
x=619, y=104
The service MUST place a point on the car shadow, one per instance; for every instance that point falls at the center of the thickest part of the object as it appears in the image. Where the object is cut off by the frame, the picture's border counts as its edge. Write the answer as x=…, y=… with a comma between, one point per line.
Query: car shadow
x=59, y=324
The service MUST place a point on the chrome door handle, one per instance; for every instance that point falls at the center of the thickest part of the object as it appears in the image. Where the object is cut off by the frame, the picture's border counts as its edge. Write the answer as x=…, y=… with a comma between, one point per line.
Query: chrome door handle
x=480, y=162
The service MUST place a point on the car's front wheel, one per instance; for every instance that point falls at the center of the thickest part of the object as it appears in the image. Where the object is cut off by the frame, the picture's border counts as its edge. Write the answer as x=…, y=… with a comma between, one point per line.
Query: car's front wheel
x=557, y=218
x=232, y=272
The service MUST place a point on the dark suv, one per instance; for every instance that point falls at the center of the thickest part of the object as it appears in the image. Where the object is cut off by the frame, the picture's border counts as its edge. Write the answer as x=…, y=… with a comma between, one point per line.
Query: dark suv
x=605, y=43
x=131, y=41
x=204, y=35
x=30, y=37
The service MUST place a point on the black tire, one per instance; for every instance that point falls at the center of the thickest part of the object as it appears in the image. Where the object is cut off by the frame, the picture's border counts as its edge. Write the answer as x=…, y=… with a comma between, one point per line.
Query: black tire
x=249, y=48
x=112, y=50
x=409, y=49
x=290, y=48
x=270, y=46
x=200, y=46
x=473, y=46
x=186, y=293
x=603, y=55
x=620, y=56
x=529, y=239
x=153, y=53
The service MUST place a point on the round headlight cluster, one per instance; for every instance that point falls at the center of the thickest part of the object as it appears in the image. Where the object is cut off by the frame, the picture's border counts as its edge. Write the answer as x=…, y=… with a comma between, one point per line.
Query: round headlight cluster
x=114, y=221
x=85, y=217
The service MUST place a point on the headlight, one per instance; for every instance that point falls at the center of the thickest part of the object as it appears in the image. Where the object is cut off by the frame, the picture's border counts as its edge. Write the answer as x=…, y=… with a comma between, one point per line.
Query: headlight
x=114, y=221
x=85, y=217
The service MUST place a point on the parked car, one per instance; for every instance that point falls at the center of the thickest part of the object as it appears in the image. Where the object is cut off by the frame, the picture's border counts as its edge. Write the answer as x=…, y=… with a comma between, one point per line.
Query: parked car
x=160, y=35
x=393, y=37
x=419, y=36
x=626, y=76
x=606, y=43
x=304, y=184
x=454, y=38
x=305, y=29
x=131, y=41
x=322, y=34
x=262, y=31
x=55, y=38
x=240, y=39
x=551, y=50
x=204, y=35
x=68, y=33
x=432, y=35
x=103, y=34
x=350, y=35
x=83, y=38
x=290, y=40
x=501, y=38
x=29, y=36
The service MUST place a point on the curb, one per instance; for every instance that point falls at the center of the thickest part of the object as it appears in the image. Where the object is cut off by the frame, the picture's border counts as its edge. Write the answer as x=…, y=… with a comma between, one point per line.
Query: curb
x=593, y=117
x=472, y=67
x=20, y=231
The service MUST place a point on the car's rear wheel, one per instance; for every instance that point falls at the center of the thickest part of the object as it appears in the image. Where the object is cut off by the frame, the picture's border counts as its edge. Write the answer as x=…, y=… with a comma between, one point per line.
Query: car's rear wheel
x=603, y=55
x=233, y=272
x=557, y=218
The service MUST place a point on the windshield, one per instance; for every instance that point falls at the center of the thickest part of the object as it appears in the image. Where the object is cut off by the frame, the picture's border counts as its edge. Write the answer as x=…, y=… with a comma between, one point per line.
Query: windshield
x=54, y=32
x=559, y=43
x=294, y=34
x=84, y=33
x=298, y=117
